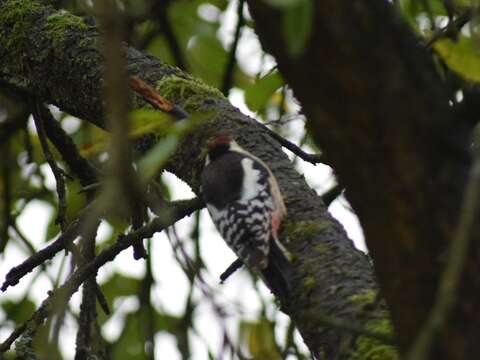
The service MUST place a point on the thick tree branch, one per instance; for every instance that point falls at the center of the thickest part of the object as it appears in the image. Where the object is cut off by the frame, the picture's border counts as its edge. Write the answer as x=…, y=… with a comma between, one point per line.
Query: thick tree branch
x=64, y=67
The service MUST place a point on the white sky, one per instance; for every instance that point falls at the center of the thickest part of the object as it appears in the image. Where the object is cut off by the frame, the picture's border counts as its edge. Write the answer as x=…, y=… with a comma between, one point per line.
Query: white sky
x=171, y=285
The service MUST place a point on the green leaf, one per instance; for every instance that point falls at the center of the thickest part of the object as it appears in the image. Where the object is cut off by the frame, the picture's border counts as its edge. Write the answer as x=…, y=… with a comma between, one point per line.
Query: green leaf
x=76, y=201
x=52, y=228
x=297, y=26
x=155, y=159
x=18, y=312
x=159, y=48
x=463, y=56
x=207, y=58
x=120, y=285
x=129, y=345
x=144, y=121
x=260, y=338
x=258, y=94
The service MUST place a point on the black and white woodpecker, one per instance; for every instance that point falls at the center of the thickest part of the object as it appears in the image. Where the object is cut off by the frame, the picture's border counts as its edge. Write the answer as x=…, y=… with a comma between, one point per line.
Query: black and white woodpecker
x=245, y=203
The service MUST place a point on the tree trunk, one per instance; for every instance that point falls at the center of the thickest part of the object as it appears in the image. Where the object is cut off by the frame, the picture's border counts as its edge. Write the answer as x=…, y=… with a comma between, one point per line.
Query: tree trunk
x=377, y=107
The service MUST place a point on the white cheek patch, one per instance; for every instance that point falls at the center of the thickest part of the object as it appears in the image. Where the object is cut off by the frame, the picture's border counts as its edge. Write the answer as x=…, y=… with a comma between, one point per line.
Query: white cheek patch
x=251, y=186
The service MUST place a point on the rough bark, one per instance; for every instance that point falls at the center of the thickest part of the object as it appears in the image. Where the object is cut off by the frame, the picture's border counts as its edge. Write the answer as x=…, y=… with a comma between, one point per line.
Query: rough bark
x=58, y=57
x=381, y=113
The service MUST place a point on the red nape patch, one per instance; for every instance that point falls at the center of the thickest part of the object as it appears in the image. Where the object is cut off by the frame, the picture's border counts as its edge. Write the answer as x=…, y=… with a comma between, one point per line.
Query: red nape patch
x=219, y=139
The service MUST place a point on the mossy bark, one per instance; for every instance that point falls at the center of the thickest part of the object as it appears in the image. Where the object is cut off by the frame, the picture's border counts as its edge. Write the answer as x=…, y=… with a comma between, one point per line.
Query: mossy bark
x=61, y=62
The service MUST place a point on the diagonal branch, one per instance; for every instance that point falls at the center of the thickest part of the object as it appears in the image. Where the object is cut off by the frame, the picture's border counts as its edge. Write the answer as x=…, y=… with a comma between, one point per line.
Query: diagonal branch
x=19, y=271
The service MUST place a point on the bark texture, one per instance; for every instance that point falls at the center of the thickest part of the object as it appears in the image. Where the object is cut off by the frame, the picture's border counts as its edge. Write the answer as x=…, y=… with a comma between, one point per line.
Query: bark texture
x=377, y=107
x=57, y=57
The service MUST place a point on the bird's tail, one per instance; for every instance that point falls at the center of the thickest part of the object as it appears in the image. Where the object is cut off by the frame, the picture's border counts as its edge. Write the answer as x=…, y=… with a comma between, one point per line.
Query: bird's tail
x=277, y=274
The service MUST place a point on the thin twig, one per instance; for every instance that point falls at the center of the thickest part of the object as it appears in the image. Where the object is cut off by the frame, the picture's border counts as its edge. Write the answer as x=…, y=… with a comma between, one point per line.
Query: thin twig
x=453, y=27
x=192, y=272
x=311, y=158
x=31, y=249
x=57, y=172
x=146, y=306
x=80, y=261
x=162, y=13
x=450, y=279
x=284, y=119
x=79, y=166
x=18, y=272
x=185, y=208
x=68, y=236
x=228, y=74
x=330, y=195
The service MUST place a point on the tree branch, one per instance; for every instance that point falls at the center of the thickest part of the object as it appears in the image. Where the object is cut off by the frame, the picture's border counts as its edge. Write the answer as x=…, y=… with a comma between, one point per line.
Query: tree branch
x=18, y=272
x=228, y=73
x=58, y=173
x=64, y=292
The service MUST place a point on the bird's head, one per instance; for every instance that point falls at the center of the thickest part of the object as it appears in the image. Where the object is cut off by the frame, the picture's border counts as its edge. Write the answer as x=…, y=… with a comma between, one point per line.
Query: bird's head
x=219, y=140
x=219, y=145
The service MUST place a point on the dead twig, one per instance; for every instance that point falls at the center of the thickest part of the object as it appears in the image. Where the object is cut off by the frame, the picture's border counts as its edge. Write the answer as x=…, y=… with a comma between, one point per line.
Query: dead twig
x=311, y=158
x=153, y=97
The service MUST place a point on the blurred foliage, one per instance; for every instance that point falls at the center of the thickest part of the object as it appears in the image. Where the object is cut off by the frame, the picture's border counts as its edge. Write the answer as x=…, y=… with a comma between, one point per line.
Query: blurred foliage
x=259, y=337
x=459, y=47
x=18, y=311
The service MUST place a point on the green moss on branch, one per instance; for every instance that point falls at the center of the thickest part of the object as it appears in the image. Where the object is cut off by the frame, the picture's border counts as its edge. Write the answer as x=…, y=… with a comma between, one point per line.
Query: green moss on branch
x=16, y=19
x=189, y=92
x=305, y=230
x=60, y=23
x=368, y=348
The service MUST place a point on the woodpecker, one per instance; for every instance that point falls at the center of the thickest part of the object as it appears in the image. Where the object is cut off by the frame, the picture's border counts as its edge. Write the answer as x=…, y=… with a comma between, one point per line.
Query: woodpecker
x=246, y=206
